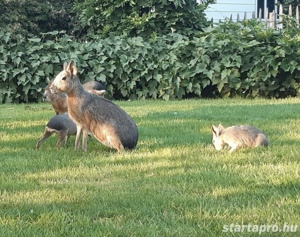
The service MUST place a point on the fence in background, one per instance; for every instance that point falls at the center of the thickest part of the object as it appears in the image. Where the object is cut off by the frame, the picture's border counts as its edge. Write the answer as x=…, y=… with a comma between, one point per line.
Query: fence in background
x=272, y=19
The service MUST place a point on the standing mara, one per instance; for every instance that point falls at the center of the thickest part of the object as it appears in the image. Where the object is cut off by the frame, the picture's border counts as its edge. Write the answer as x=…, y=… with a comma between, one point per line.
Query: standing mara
x=59, y=101
x=109, y=124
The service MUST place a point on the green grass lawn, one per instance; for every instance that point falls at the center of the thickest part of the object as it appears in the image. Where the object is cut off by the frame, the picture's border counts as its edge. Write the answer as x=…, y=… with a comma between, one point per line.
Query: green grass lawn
x=173, y=184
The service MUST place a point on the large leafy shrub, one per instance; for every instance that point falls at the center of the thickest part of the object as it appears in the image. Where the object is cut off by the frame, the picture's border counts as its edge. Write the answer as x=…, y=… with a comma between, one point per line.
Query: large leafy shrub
x=143, y=18
x=232, y=59
x=254, y=61
x=26, y=63
x=33, y=17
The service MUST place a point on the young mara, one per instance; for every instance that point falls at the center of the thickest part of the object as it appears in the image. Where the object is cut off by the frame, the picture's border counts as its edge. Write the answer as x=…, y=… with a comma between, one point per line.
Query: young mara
x=60, y=124
x=238, y=136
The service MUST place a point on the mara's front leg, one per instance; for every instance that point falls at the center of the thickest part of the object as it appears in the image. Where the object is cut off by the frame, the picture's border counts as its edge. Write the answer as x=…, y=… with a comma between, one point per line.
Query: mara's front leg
x=233, y=148
x=79, y=129
x=84, y=139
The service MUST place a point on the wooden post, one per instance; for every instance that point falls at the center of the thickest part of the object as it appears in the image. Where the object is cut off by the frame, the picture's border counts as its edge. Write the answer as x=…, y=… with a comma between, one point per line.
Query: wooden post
x=274, y=19
x=297, y=16
x=259, y=14
x=266, y=17
x=280, y=23
x=270, y=20
x=290, y=12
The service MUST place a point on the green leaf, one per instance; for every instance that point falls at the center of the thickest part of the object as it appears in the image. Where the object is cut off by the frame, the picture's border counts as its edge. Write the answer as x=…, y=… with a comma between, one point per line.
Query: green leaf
x=40, y=73
x=22, y=79
x=17, y=60
x=123, y=60
x=189, y=87
x=205, y=83
x=37, y=40
x=48, y=69
x=225, y=73
x=101, y=78
x=166, y=97
x=285, y=65
x=220, y=85
x=209, y=74
x=157, y=77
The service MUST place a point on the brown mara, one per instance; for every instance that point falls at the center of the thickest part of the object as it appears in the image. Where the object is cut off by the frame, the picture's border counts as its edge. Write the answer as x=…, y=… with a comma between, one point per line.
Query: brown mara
x=108, y=123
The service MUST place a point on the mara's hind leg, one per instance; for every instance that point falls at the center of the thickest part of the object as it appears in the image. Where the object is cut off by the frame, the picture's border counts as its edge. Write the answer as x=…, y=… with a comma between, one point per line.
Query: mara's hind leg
x=108, y=138
x=115, y=142
x=61, y=137
x=45, y=136
x=67, y=139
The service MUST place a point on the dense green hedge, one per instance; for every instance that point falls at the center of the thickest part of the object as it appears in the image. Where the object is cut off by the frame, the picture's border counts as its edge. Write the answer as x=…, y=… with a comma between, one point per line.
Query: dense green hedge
x=232, y=59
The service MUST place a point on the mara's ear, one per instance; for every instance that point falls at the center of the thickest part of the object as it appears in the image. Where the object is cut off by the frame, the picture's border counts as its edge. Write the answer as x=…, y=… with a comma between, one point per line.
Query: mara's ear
x=71, y=68
x=220, y=126
x=215, y=130
x=65, y=66
x=220, y=129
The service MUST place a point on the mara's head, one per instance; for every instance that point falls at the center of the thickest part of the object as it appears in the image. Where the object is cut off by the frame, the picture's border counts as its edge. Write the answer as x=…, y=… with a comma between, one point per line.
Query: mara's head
x=48, y=95
x=64, y=81
x=217, y=140
x=56, y=98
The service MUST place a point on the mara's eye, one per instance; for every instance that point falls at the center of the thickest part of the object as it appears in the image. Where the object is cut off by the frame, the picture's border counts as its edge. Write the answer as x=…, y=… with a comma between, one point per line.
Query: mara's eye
x=64, y=78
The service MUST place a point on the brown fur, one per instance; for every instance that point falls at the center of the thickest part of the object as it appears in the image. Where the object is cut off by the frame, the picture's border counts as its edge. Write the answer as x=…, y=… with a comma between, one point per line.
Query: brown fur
x=110, y=124
x=59, y=100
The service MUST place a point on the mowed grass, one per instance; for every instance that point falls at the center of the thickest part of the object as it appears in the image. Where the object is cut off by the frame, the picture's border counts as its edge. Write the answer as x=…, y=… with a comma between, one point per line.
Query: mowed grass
x=173, y=184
